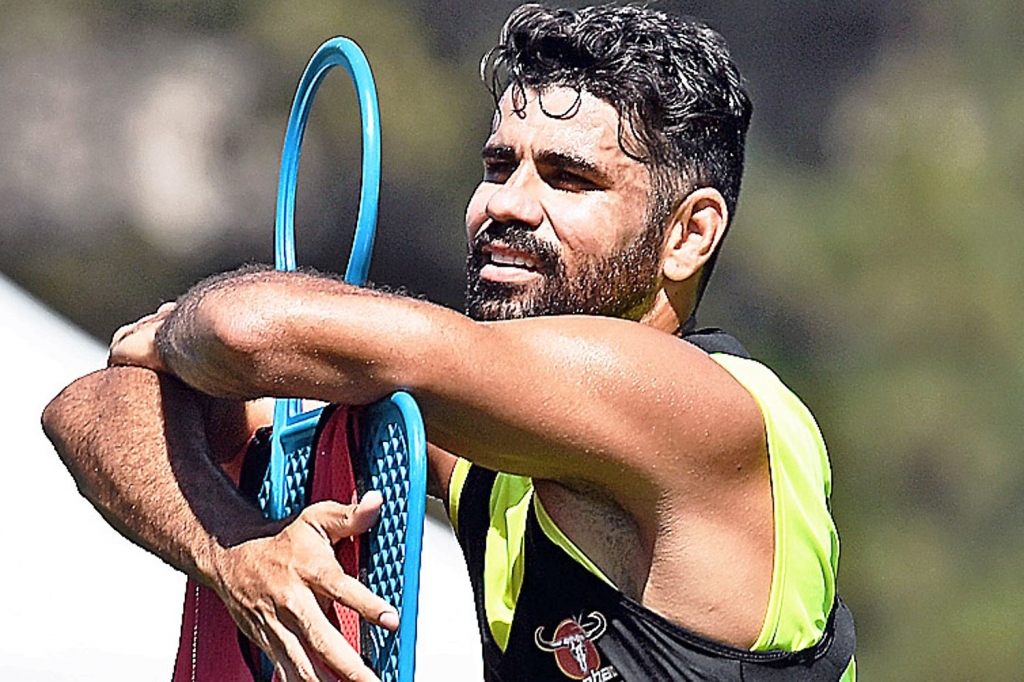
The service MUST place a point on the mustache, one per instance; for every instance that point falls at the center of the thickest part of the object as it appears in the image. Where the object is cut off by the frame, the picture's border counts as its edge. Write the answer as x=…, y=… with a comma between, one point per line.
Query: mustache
x=517, y=237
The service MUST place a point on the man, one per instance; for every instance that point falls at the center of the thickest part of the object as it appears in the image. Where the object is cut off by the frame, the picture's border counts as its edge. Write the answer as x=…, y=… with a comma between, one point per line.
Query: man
x=661, y=507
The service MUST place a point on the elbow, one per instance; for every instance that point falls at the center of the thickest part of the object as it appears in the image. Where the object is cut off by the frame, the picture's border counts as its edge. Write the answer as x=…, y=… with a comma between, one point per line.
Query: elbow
x=63, y=411
x=87, y=422
x=77, y=416
x=240, y=356
x=55, y=422
x=66, y=423
x=240, y=336
x=53, y=419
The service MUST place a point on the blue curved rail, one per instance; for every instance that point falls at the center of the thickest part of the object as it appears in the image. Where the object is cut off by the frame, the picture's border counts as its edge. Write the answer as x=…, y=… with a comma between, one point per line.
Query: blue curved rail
x=393, y=440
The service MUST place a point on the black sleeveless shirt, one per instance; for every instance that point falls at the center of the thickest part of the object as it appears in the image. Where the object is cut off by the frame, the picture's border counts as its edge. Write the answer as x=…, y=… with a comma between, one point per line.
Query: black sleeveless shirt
x=569, y=624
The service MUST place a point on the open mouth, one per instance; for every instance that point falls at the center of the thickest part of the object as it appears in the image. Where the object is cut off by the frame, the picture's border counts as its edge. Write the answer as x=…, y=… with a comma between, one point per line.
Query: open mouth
x=511, y=259
x=503, y=264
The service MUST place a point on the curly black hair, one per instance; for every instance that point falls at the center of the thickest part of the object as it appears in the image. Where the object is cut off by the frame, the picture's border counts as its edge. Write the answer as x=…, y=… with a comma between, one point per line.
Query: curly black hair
x=683, y=110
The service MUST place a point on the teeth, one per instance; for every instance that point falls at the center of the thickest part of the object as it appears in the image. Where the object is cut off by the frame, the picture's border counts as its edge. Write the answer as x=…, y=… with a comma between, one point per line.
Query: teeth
x=519, y=261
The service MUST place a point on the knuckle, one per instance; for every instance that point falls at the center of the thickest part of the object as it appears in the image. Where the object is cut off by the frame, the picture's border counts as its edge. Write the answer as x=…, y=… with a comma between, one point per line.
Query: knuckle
x=317, y=642
x=333, y=581
x=289, y=602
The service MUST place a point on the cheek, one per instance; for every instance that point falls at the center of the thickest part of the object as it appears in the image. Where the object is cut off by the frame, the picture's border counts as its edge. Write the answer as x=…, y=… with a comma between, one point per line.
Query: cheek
x=590, y=228
x=476, y=212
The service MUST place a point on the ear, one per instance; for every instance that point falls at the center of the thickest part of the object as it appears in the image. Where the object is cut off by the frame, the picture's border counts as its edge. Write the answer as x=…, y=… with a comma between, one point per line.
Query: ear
x=695, y=229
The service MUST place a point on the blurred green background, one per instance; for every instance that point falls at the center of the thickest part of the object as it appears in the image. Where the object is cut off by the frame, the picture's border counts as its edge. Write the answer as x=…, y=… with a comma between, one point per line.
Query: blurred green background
x=874, y=261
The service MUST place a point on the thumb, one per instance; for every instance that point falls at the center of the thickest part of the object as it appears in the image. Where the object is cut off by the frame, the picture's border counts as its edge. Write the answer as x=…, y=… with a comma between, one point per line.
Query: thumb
x=339, y=521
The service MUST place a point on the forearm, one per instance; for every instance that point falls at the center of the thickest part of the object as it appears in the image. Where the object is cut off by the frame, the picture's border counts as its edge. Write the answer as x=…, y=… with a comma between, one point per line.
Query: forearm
x=568, y=398
x=292, y=335
x=136, y=446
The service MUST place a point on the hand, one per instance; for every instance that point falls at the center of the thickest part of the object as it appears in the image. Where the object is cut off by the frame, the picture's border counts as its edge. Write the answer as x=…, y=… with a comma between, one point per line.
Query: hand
x=277, y=587
x=135, y=343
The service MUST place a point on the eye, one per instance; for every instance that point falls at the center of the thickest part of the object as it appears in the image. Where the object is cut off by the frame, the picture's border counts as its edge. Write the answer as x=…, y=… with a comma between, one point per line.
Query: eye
x=497, y=170
x=570, y=181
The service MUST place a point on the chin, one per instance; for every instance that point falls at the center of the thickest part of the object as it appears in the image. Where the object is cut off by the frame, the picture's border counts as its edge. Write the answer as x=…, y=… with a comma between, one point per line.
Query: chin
x=488, y=301
x=494, y=310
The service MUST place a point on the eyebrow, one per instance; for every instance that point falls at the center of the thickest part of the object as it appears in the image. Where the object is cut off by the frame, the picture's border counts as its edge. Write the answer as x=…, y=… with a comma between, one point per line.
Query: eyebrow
x=550, y=158
x=498, y=152
x=570, y=162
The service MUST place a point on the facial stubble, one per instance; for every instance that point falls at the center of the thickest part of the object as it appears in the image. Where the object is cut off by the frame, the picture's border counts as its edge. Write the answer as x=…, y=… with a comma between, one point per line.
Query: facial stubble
x=622, y=284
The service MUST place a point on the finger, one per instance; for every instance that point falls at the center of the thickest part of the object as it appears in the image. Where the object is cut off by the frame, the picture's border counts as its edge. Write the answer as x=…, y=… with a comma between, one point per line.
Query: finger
x=291, y=661
x=122, y=332
x=331, y=652
x=161, y=312
x=338, y=521
x=323, y=672
x=283, y=673
x=117, y=336
x=270, y=635
x=135, y=349
x=116, y=354
x=138, y=346
x=370, y=504
x=286, y=669
x=328, y=579
x=362, y=674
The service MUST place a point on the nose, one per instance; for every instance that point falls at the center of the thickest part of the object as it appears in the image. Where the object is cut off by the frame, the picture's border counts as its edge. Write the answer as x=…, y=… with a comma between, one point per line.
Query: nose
x=512, y=202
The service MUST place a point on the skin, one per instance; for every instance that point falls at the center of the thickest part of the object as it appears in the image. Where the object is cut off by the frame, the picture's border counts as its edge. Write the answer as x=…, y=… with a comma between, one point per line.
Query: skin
x=137, y=444
x=646, y=453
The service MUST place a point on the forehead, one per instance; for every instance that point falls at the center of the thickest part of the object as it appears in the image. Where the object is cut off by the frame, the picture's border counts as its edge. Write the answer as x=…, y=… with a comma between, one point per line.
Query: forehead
x=559, y=119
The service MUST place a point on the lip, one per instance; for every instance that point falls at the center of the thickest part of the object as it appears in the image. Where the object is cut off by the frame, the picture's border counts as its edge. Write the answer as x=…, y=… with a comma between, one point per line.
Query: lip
x=503, y=264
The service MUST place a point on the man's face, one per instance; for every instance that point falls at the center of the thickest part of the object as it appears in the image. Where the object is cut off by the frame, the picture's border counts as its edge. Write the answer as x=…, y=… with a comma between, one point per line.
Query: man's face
x=559, y=224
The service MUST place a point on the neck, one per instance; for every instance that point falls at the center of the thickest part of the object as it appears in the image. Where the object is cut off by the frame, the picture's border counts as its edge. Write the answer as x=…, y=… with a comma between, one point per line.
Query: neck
x=673, y=306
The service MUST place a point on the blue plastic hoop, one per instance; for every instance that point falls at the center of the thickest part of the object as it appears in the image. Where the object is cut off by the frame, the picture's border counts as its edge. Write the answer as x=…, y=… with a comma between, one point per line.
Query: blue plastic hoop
x=343, y=52
x=335, y=52
x=391, y=431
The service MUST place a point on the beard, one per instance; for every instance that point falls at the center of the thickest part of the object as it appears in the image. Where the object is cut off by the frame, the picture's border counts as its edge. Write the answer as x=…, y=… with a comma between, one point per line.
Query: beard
x=621, y=285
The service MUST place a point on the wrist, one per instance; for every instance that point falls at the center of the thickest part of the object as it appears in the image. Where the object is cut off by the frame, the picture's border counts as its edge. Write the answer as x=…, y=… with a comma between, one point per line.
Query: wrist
x=209, y=562
x=219, y=557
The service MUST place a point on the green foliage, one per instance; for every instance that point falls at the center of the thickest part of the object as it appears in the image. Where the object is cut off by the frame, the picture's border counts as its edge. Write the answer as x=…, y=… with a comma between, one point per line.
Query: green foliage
x=907, y=250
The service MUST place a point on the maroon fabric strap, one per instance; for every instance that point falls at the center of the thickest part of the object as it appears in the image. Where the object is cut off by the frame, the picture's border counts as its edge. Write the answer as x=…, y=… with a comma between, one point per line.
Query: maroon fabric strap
x=334, y=479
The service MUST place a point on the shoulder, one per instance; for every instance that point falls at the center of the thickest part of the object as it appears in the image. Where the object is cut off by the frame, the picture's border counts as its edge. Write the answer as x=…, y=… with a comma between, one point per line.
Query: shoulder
x=806, y=541
x=762, y=383
x=790, y=428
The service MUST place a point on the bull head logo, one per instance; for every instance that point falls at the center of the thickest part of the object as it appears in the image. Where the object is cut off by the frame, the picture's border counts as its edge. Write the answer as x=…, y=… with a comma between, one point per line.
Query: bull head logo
x=573, y=645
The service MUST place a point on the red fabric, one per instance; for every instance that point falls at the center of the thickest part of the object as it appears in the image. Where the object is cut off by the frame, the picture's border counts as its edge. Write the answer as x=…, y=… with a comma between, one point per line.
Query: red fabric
x=208, y=647
x=207, y=624
x=334, y=479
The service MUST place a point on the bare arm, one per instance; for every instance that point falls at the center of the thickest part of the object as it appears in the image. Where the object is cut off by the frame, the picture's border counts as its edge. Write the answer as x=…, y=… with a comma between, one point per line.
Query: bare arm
x=116, y=421
x=567, y=399
x=137, y=448
x=614, y=420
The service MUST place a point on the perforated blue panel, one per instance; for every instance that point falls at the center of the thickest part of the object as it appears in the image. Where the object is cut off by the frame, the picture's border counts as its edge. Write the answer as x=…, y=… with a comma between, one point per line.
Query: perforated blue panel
x=394, y=441
x=389, y=473
x=393, y=447
x=296, y=480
